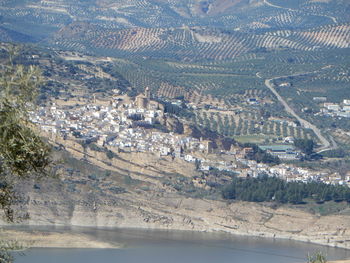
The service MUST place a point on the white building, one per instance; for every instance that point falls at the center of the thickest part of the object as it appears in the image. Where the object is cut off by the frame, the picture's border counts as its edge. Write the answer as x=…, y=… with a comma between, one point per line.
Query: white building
x=333, y=107
x=190, y=158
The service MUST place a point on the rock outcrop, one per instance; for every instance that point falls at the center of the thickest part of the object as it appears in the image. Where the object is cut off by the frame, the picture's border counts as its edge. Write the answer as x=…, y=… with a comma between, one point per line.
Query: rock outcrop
x=148, y=191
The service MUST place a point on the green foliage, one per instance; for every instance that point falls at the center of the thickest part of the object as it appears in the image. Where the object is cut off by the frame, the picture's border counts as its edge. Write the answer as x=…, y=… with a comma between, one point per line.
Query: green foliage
x=260, y=155
x=318, y=257
x=305, y=145
x=324, y=208
x=110, y=154
x=337, y=153
x=180, y=111
x=6, y=248
x=95, y=147
x=22, y=152
x=267, y=189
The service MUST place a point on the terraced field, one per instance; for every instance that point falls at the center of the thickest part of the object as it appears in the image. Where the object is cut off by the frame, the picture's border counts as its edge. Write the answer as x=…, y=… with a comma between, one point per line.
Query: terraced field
x=233, y=124
x=194, y=44
x=180, y=30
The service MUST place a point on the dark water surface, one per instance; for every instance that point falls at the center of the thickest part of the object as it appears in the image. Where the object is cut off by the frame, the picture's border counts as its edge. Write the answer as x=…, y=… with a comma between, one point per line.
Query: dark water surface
x=154, y=246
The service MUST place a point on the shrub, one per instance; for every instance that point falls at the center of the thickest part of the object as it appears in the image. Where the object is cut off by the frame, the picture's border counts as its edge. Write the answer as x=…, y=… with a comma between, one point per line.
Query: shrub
x=318, y=257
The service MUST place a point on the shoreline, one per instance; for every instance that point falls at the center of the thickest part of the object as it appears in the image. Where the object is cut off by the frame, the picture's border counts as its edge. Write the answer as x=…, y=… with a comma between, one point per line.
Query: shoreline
x=63, y=239
x=54, y=239
x=48, y=238
x=303, y=239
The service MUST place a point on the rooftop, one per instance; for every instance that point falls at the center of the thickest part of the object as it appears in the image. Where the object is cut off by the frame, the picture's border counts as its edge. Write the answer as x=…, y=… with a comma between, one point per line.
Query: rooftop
x=277, y=147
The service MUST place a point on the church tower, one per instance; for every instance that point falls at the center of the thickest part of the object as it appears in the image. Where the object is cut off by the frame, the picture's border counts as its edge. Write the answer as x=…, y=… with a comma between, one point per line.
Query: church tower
x=147, y=93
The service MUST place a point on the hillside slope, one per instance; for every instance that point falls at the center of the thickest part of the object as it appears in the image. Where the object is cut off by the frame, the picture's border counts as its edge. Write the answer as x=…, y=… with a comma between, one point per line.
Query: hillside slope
x=41, y=19
x=140, y=195
x=195, y=43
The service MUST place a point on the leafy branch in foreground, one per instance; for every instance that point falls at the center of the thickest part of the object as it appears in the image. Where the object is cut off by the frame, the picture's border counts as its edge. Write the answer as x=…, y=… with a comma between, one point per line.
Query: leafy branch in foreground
x=318, y=257
x=6, y=247
x=22, y=152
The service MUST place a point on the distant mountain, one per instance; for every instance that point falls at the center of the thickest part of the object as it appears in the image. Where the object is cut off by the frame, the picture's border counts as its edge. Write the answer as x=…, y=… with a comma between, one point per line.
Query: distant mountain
x=186, y=29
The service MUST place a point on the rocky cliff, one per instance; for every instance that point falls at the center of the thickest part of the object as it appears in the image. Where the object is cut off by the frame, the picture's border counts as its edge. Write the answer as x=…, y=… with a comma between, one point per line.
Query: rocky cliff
x=148, y=191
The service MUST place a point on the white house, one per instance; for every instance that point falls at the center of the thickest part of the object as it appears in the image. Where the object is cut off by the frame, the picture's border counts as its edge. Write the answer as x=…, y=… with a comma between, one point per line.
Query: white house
x=190, y=158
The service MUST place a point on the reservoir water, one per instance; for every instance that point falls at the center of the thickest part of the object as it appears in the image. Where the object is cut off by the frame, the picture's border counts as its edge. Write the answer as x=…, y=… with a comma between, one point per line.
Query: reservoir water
x=150, y=246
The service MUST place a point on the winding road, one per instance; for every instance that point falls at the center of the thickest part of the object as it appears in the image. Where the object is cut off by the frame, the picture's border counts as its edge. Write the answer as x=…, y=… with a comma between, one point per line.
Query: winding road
x=326, y=145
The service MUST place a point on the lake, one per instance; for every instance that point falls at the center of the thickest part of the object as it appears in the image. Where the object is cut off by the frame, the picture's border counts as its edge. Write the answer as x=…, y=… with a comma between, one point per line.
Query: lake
x=155, y=246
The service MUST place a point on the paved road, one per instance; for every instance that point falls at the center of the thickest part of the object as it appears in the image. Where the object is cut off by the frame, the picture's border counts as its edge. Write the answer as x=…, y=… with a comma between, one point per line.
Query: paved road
x=326, y=145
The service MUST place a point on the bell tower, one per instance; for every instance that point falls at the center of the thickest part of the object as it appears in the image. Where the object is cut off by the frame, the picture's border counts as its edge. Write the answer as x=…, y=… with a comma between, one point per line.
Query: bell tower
x=147, y=93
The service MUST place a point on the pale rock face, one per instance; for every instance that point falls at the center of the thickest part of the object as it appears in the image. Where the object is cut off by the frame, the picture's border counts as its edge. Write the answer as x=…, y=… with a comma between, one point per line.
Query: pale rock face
x=178, y=213
x=161, y=207
x=136, y=192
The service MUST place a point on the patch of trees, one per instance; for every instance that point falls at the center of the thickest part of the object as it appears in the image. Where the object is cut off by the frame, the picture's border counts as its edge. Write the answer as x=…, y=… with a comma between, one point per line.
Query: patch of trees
x=147, y=125
x=260, y=155
x=269, y=189
x=100, y=85
x=337, y=153
x=305, y=145
x=265, y=114
x=226, y=143
x=143, y=124
x=180, y=111
x=132, y=92
x=51, y=89
x=122, y=83
x=179, y=128
x=217, y=173
x=204, y=133
x=96, y=148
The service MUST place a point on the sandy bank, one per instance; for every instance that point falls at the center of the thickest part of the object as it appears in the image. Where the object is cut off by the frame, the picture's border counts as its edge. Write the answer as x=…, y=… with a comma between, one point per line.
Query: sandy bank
x=46, y=239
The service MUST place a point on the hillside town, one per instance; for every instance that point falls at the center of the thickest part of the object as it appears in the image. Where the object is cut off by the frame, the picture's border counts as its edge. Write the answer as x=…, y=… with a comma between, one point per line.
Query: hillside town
x=130, y=125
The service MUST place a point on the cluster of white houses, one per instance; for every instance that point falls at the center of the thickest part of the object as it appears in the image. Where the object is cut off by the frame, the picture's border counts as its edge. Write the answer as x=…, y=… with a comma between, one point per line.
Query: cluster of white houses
x=121, y=122
x=336, y=109
x=112, y=123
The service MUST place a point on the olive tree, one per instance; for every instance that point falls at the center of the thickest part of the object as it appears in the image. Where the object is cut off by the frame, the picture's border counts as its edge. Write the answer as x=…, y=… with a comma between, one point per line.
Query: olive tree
x=317, y=257
x=22, y=151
